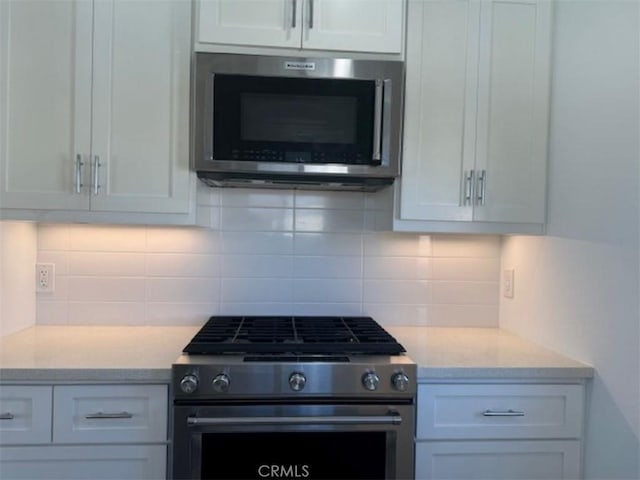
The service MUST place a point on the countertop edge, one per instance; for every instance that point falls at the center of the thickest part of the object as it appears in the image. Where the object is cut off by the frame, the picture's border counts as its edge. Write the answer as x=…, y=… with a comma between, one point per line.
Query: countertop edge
x=93, y=375
x=426, y=374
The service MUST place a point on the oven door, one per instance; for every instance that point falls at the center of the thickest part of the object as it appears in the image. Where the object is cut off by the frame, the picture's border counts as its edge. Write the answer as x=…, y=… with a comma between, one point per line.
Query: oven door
x=310, y=441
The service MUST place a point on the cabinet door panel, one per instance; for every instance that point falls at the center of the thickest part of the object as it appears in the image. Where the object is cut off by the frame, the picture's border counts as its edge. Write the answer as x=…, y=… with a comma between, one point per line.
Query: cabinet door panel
x=26, y=414
x=140, y=105
x=45, y=81
x=106, y=462
x=551, y=460
x=262, y=23
x=358, y=25
x=513, y=109
x=439, y=127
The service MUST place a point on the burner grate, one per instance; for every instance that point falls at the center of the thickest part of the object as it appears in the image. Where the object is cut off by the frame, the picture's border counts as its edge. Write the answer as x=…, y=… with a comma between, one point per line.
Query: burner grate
x=293, y=335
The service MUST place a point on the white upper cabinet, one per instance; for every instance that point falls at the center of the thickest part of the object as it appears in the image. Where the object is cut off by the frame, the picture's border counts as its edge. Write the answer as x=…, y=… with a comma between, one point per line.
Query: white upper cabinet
x=96, y=98
x=354, y=25
x=476, y=115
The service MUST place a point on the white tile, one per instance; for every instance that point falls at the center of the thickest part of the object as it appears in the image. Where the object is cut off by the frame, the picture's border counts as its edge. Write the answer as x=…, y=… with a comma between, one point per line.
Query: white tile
x=395, y=314
x=327, y=267
x=60, y=293
x=327, y=308
x=465, y=293
x=466, y=246
x=208, y=217
x=310, y=220
x=397, y=245
x=329, y=200
x=256, y=219
x=206, y=195
x=106, y=264
x=182, y=265
x=328, y=244
x=396, y=291
x=106, y=289
x=327, y=290
x=183, y=290
x=57, y=257
x=275, y=243
x=53, y=237
x=276, y=266
x=107, y=238
x=256, y=308
x=106, y=313
x=256, y=290
x=463, y=316
x=397, y=268
x=52, y=313
x=469, y=269
x=247, y=197
x=162, y=313
x=380, y=200
x=183, y=239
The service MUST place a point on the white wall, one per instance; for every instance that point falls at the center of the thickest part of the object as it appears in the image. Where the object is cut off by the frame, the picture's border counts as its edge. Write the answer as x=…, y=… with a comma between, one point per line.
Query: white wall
x=577, y=288
x=17, y=277
x=269, y=252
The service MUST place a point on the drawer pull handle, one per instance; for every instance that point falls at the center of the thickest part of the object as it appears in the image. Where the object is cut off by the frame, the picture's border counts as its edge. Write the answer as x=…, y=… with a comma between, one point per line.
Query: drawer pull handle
x=503, y=413
x=103, y=416
x=6, y=416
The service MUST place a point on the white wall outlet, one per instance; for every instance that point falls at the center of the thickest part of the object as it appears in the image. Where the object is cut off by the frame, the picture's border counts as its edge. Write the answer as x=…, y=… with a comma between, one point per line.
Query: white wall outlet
x=508, y=282
x=45, y=277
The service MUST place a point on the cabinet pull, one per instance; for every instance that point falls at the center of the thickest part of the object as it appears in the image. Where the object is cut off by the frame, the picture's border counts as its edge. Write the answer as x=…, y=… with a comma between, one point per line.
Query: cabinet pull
x=6, y=416
x=377, y=120
x=468, y=187
x=310, y=14
x=503, y=413
x=294, y=7
x=79, y=165
x=482, y=182
x=103, y=416
x=96, y=174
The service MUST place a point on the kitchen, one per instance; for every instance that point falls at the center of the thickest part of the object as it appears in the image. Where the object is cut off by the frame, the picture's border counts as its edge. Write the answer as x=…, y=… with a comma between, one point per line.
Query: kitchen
x=576, y=288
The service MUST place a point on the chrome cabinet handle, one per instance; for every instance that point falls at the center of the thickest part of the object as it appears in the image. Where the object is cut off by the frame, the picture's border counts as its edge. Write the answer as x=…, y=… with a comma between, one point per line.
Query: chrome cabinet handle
x=392, y=419
x=294, y=7
x=503, y=413
x=79, y=165
x=468, y=187
x=96, y=174
x=310, y=14
x=377, y=120
x=104, y=416
x=6, y=416
x=482, y=182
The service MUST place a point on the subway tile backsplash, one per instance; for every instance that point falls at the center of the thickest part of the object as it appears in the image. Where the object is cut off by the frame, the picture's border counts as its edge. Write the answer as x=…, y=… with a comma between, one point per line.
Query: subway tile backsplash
x=269, y=252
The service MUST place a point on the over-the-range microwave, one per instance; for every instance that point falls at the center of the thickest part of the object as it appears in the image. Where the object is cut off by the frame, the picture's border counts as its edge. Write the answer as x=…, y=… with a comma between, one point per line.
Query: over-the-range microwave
x=269, y=121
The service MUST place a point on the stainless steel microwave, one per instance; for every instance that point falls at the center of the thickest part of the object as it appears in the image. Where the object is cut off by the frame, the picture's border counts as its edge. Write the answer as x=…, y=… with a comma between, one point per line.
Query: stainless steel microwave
x=319, y=123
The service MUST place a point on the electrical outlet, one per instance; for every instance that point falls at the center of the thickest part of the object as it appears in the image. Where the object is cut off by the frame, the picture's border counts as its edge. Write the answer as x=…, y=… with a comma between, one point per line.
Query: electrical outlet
x=45, y=277
x=508, y=282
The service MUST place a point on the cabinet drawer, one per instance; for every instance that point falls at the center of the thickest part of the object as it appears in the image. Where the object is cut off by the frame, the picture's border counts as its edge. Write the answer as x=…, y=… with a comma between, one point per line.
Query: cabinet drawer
x=25, y=415
x=494, y=411
x=110, y=413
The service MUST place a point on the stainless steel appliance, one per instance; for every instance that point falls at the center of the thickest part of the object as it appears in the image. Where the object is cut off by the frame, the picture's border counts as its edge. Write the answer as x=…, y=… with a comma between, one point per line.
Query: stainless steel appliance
x=302, y=122
x=293, y=397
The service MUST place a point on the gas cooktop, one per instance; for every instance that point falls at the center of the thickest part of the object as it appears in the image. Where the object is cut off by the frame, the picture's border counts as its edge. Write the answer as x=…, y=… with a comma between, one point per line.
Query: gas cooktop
x=309, y=335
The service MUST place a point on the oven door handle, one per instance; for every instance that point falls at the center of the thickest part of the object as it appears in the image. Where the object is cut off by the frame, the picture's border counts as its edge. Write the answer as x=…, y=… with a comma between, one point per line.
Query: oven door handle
x=391, y=419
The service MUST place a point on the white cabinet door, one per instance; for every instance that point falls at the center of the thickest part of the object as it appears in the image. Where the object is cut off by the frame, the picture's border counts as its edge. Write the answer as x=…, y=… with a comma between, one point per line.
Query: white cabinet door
x=108, y=462
x=354, y=25
x=476, y=115
x=358, y=25
x=25, y=414
x=261, y=23
x=140, y=106
x=498, y=460
x=45, y=101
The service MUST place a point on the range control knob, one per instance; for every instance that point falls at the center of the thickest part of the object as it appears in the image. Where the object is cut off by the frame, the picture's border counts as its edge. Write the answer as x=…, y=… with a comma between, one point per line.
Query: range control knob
x=221, y=383
x=400, y=381
x=297, y=381
x=189, y=383
x=370, y=381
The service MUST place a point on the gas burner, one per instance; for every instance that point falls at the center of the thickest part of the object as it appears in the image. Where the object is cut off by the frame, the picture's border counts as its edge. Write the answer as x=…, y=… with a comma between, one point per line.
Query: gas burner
x=292, y=335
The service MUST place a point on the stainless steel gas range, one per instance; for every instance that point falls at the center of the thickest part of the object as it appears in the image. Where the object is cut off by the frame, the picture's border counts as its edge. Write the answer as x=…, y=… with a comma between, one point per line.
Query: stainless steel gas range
x=266, y=397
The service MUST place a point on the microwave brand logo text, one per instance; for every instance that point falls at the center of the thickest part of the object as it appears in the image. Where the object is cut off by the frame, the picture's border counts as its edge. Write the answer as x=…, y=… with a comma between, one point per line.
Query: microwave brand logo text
x=299, y=65
x=283, y=471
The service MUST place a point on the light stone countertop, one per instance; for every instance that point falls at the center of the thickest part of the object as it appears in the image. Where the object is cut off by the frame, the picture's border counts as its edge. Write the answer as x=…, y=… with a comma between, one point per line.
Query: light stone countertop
x=145, y=354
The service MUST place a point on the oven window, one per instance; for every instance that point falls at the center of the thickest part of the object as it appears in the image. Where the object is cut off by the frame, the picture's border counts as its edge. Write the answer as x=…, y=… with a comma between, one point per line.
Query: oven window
x=291, y=455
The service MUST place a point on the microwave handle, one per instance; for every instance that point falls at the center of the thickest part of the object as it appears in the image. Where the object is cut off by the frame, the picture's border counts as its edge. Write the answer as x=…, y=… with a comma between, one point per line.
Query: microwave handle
x=377, y=120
